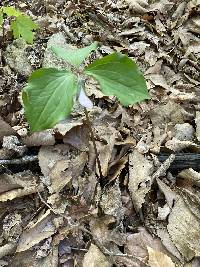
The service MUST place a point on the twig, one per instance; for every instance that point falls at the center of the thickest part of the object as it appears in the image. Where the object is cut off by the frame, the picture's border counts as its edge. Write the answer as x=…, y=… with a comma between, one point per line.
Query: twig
x=23, y=160
x=93, y=142
x=161, y=171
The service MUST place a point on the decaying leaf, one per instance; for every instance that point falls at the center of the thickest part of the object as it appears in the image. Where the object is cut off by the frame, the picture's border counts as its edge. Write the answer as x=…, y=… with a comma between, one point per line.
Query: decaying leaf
x=18, y=185
x=184, y=230
x=197, y=121
x=177, y=145
x=159, y=259
x=60, y=164
x=41, y=230
x=95, y=258
x=66, y=125
x=190, y=175
x=138, y=6
x=167, y=242
x=108, y=135
x=170, y=114
x=5, y=129
x=170, y=195
x=137, y=244
x=140, y=170
x=111, y=203
x=78, y=137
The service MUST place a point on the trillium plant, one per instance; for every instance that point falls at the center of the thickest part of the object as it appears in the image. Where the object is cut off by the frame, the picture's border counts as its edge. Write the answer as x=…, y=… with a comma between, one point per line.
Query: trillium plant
x=51, y=93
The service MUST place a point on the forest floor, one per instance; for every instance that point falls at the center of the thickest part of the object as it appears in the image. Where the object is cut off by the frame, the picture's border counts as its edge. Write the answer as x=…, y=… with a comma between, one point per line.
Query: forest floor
x=145, y=210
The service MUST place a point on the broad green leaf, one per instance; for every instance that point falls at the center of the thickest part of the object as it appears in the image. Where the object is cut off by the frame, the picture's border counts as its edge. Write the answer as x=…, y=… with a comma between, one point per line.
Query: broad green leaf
x=49, y=97
x=23, y=27
x=74, y=56
x=11, y=11
x=119, y=76
x=1, y=17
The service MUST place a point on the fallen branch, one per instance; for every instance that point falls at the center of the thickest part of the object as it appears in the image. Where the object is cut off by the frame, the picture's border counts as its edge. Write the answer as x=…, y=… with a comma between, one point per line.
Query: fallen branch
x=18, y=161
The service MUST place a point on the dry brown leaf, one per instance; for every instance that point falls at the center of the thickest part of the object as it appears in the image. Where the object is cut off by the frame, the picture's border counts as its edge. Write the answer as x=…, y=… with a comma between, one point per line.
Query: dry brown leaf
x=138, y=6
x=95, y=258
x=159, y=259
x=192, y=200
x=158, y=80
x=167, y=242
x=176, y=145
x=140, y=170
x=191, y=176
x=78, y=137
x=60, y=164
x=65, y=126
x=137, y=244
x=197, y=121
x=170, y=113
x=111, y=203
x=41, y=230
x=184, y=132
x=184, y=230
x=18, y=185
x=5, y=129
x=170, y=195
x=28, y=259
x=107, y=134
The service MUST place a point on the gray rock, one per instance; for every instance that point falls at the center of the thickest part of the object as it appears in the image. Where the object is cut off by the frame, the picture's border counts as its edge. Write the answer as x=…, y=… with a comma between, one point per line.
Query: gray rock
x=17, y=58
x=50, y=59
x=184, y=132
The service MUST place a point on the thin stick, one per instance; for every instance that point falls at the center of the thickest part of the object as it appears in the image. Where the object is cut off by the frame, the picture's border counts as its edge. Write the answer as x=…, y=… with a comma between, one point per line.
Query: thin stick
x=93, y=142
x=23, y=160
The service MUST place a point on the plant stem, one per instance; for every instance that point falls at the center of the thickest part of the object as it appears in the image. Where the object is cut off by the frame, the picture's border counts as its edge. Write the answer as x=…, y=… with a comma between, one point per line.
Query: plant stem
x=93, y=142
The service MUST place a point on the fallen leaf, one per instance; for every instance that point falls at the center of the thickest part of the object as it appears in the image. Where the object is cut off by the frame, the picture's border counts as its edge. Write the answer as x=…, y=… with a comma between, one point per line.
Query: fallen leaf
x=140, y=170
x=5, y=129
x=78, y=137
x=137, y=244
x=95, y=258
x=183, y=227
x=197, y=121
x=41, y=230
x=19, y=185
x=111, y=203
x=163, y=234
x=190, y=175
x=61, y=163
x=138, y=6
x=177, y=145
x=159, y=259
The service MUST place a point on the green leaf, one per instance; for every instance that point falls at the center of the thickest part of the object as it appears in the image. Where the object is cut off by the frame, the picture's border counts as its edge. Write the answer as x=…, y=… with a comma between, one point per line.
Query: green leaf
x=119, y=76
x=23, y=27
x=11, y=11
x=74, y=56
x=1, y=17
x=49, y=97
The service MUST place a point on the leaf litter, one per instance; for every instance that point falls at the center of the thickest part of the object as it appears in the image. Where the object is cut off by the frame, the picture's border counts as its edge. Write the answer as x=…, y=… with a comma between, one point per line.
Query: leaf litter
x=54, y=208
